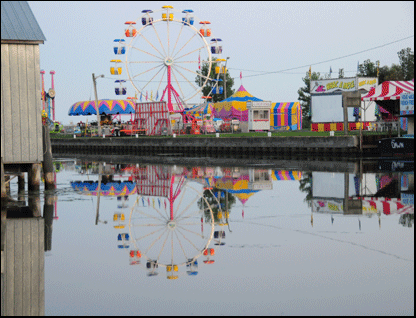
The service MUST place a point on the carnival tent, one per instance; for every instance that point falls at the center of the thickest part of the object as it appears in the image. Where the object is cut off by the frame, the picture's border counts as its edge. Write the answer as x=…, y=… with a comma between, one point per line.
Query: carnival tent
x=280, y=175
x=389, y=90
x=234, y=106
x=106, y=107
x=200, y=110
x=107, y=189
x=286, y=115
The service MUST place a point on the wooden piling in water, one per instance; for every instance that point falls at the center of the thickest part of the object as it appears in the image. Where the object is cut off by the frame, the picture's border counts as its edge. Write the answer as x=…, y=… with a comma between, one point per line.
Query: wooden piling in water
x=47, y=160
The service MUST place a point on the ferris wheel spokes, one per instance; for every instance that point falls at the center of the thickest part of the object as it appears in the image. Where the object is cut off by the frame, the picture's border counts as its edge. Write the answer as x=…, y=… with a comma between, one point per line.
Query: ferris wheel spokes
x=151, y=69
x=142, y=35
x=160, y=58
x=197, y=49
x=144, y=236
x=183, y=46
x=157, y=239
x=151, y=79
x=157, y=35
x=177, y=39
x=177, y=82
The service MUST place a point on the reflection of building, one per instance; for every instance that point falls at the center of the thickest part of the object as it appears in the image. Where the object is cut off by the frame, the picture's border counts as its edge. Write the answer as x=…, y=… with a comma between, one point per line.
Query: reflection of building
x=22, y=268
x=339, y=193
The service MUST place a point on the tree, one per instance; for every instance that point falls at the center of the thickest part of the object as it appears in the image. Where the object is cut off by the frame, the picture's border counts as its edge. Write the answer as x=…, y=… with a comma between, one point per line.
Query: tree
x=305, y=98
x=404, y=71
x=224, y=197
x=407, y=63
x=210, y=84
x=305, y=185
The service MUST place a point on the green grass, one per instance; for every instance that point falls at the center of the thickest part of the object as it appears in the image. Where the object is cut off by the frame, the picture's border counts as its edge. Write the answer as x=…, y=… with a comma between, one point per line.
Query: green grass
x=302, y=133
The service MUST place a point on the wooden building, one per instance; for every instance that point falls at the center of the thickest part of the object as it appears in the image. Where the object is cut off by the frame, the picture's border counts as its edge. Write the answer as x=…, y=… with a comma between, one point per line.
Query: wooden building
x=21, y=110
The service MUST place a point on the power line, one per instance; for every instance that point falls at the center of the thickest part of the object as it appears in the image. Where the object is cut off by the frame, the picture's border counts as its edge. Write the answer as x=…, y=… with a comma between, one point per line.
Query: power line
x=334, y=59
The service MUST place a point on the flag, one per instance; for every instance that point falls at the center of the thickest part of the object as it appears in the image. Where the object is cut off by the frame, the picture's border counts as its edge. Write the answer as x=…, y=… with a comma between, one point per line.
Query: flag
x=310, y=72
x=146, y=95
x=199, y=60
x=241, y=75
x=330, y=71
x=358, y=67
x=141, y=96
x=157, y=95
x=151, y=95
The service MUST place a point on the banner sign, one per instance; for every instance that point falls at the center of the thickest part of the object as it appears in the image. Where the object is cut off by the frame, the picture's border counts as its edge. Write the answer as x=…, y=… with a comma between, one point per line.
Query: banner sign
x=407, y=104
x=342, y=85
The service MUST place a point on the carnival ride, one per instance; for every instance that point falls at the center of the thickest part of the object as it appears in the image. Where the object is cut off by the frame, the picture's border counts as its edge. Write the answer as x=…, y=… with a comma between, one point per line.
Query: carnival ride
x=171, y=223
x=157, y=55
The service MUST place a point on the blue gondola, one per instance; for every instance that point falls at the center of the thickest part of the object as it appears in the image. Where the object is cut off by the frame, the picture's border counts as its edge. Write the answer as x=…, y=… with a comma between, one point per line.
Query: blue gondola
x=216, y=47
x=188, y=19
x=147, y=19
x=119, y=47
x=120, y=89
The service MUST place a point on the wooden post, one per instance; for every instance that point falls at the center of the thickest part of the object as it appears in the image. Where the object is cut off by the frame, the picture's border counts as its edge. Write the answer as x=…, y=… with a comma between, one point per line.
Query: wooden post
x=48, y=208
x=3, y=184
x=47, y=160
x=34, y=177
x=21, y=187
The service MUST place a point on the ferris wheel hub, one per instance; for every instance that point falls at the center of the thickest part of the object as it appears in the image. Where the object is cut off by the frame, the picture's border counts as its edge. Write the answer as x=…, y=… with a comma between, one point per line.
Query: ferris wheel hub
x=171, y=225
x=168, y=61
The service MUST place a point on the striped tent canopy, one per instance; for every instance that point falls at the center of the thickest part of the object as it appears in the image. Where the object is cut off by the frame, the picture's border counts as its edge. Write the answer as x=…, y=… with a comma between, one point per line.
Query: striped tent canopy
x=107, y=107
x=286, y=115
x=389, y=90
x=238, y=187
x=280, y=175
x=387, y=206
x=200, y=110
x=235, y=105
x=107, y=189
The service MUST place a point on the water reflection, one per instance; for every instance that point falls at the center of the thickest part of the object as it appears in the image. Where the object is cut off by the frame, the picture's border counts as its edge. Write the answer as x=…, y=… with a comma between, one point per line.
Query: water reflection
x=180, y=215
x=177, y=222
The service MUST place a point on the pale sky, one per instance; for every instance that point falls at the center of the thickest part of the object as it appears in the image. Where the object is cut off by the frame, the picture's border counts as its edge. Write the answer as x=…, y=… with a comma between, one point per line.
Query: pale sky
x=256, y=36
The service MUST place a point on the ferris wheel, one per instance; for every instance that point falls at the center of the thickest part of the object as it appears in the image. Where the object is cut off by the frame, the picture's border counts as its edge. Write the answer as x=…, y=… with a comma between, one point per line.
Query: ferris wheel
x=164, y=53
x=175, y=233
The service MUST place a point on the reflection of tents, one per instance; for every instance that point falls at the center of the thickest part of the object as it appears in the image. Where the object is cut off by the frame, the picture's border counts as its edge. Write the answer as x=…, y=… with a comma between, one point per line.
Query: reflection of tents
x=286, y=115
x=107, y=107
x=386, y=206
x=278, y=175
x=235, y=105
x=107, y=189
x=200, y=110
x=238, y=187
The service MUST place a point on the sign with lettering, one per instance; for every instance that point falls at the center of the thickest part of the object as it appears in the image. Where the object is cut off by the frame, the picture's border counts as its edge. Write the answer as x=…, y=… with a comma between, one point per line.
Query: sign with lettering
x=407, y=103
x=366, y=83
x=333, y=85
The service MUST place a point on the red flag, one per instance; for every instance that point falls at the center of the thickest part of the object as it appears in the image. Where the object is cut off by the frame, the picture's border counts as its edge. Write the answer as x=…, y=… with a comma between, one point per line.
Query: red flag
x=199, y=60
x=241, y=75
x=146, y=95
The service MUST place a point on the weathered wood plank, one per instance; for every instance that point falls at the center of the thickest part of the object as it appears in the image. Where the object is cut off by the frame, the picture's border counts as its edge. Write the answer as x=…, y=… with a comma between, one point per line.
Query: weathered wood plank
x=9, y=266
x=15, y=118
x=6, y=106
x=26, y=265
x=41, y=254
x=38, y=106
x=34, y=259
x=18, y=268
x=23, y=97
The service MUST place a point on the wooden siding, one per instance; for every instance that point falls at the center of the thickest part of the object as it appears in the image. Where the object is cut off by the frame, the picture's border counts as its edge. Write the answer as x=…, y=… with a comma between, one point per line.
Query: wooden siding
x=21, y=122
x=23, y=280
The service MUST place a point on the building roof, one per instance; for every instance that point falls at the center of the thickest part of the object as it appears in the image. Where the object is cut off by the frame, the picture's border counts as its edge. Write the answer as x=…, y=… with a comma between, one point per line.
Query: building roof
x=18, y=23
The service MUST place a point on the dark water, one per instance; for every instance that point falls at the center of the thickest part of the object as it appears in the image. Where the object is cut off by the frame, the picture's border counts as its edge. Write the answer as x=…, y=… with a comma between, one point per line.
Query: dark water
x=283, y=242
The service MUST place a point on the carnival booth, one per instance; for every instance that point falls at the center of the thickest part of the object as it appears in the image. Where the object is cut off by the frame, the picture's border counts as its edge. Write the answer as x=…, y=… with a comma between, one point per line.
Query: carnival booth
x=326, y=104
x=106, y=107
x=286, y=116
x=387, y=97
x=235, y=106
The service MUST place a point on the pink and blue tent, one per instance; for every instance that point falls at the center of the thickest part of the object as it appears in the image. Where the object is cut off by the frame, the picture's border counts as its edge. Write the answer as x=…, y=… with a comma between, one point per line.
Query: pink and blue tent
x=106, y=107
x=286, y=115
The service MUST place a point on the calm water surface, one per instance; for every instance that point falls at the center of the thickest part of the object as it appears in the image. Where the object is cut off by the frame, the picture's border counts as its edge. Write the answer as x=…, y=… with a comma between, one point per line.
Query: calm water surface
x=277, y=242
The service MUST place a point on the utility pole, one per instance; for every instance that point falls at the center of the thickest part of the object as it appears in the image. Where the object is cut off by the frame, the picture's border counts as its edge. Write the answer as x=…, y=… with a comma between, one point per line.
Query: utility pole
x=96, y=102
x=225, y=82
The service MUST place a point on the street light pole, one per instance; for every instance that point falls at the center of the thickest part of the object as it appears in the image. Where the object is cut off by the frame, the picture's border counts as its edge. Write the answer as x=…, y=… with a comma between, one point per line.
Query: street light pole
x=96, y=102
x=225, y=82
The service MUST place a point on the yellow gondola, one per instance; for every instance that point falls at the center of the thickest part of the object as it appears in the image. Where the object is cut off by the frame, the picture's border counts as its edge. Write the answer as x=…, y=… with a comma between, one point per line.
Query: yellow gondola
x=115, y=70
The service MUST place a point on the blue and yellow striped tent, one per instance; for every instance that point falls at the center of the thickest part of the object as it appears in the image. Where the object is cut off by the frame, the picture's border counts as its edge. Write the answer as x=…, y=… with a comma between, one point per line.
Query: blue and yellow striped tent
x=286, y=115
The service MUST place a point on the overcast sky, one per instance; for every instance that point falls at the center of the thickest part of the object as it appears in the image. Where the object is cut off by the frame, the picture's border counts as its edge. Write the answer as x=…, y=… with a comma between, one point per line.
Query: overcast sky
x=257, y=37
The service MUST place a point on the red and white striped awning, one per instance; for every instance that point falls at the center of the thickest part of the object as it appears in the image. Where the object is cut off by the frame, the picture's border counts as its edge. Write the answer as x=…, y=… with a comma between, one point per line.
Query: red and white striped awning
x=389, y=90
x=387, y=206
